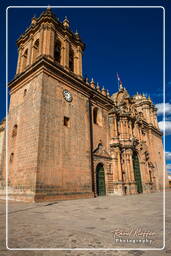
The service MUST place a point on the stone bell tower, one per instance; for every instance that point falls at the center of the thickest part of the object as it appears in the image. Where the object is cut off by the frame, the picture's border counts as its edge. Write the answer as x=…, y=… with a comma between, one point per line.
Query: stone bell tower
x=48, y=123
x=50, y=38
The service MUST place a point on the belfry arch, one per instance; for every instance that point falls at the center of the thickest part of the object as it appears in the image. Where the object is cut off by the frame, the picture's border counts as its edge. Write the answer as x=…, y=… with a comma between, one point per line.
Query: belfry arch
x=57, y=51
x=35, y=50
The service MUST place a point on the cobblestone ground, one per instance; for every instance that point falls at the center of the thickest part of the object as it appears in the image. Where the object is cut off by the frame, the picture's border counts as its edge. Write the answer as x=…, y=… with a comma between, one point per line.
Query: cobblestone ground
x=88, y=223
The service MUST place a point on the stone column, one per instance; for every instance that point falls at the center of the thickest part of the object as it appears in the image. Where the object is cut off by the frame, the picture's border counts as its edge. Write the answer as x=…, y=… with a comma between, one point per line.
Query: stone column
x=115, y=126
x=130, y=129
x=147, y=113
x=22, y=59
x=128, y=165
x=131, y=166
x=79, y=61
x=142, y=171
x=119, y=164
x=155, y=118
x=41, y=39
x=49, y=43
x=140, y=133
x=133, y=188
x=121, y=128
x=125, y=128
x=111, y=127
x=151, y=116
x=30, y=56
x=66, y=53
x=137, y=132
x=44, y=43
x=114, y=165
x=76, y=62
x=52, y=41
x=19, y=60
x=46, y=40
x=62, y=53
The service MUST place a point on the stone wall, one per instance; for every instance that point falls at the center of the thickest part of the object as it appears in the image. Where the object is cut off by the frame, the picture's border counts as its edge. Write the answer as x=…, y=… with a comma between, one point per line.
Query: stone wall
x=23, y=136
x=64, y=158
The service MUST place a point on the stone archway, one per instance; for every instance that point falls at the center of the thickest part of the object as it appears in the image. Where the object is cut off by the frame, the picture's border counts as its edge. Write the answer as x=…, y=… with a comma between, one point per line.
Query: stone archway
x=100, y=180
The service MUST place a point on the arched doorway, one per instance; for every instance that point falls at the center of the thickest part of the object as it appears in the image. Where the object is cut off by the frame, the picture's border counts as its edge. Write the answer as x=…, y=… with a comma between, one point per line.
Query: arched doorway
x=137, y=173
x=100, y=180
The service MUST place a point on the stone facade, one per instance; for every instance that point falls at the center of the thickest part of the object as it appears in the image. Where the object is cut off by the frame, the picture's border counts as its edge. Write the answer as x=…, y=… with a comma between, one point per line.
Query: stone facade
x=67, y=138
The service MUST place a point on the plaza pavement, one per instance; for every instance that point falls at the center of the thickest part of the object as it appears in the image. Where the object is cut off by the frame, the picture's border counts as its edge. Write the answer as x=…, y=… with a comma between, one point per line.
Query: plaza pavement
x=88, y=223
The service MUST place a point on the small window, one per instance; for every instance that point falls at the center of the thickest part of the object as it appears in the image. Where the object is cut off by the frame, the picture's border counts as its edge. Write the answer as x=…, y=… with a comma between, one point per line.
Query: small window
x=95, y=111
x=25, y=92
x=11, y=157
x=14, y=131
x=66, y=121
x=150, y=176
x=97, y=116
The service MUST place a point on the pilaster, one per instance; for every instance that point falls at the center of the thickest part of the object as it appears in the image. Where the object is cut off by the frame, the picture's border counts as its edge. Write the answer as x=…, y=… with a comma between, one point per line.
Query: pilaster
x=79, y=61
x=41, y=39
x=19, y=60
x=52, y=41
x=31, y=50
x=66, y=53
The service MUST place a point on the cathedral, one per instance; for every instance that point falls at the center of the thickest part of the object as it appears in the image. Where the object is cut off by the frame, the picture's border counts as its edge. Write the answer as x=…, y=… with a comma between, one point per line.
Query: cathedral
x=66, y=137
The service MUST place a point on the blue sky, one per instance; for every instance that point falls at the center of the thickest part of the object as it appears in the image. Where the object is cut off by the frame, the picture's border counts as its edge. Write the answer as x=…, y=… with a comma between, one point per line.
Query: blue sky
x=128, y=41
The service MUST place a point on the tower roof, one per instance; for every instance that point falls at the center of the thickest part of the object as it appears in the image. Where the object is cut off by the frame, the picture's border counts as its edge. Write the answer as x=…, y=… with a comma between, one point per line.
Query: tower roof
x=49, y=16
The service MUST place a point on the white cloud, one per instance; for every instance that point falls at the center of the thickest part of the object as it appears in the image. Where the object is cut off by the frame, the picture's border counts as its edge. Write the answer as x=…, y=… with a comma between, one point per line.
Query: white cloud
x=160, y=108
x=168, y=118
x=168, y=155
x=165, y=126
x=168, y=167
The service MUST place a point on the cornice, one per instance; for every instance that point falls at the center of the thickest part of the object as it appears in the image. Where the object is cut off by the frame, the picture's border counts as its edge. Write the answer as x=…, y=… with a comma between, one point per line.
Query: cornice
x=155, y=130
x=98, y=156
x=45, y=65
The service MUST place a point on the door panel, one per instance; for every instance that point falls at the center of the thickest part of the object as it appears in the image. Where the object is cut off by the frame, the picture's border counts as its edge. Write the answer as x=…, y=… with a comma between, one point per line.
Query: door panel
x=100, y=179
x=137, y=173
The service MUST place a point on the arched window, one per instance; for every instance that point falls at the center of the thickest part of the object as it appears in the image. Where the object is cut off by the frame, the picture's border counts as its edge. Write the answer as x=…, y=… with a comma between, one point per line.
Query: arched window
x=141, y=114
x=150, y=175
x=25, y=92
x=71, y=59
x=11, y=157
x=14, y=131
x=95, y=112
x=25, y=58
x=35, y=50
x=57, y=51
x=97, y=116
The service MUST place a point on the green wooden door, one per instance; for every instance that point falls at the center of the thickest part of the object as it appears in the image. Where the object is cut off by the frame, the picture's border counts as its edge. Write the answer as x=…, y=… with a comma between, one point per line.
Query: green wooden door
x=137, y=173
x=100, y=179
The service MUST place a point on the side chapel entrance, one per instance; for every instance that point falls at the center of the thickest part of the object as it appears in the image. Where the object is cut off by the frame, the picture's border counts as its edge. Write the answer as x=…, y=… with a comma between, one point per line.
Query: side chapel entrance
x=100, y=180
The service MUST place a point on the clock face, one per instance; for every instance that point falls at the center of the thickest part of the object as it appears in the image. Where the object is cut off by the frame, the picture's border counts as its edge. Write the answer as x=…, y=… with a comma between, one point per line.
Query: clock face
x=67, y=95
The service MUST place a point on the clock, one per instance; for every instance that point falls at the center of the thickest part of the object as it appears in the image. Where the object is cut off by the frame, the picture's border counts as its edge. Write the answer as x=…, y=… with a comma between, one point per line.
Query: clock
x=67, y=95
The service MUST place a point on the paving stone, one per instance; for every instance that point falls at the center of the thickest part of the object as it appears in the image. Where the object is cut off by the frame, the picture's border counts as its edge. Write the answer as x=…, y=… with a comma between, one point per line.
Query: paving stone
x=32, y=225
